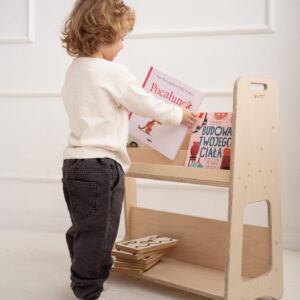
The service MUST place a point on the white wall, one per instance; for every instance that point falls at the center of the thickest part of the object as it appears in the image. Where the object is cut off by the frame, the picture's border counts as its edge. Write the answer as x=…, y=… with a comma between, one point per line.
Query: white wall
x=205, y=43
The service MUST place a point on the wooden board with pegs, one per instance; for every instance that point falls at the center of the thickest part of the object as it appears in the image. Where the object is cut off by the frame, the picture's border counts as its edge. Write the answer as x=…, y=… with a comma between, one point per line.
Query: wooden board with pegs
x=138, y=265
x=146, y=244
x=134, y=256
x=144, y=261
x=126, y=270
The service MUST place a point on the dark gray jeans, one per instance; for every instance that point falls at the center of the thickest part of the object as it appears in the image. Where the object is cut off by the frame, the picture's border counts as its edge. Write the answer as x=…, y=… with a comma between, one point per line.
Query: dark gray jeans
x=94, y=191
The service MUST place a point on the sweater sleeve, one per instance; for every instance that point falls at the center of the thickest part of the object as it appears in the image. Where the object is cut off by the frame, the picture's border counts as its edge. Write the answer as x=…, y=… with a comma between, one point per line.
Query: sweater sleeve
x=145, y=104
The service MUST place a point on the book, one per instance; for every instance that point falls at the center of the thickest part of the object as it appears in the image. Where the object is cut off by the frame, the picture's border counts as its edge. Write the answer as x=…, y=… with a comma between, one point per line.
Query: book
x=210, y=142
x=165, y=139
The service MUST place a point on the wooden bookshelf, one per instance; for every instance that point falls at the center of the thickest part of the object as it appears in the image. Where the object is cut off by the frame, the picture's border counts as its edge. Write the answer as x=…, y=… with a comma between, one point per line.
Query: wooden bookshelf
x=220, y=259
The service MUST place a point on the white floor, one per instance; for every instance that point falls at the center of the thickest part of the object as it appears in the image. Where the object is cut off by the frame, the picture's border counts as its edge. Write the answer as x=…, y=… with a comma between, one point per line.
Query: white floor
x=35, y=266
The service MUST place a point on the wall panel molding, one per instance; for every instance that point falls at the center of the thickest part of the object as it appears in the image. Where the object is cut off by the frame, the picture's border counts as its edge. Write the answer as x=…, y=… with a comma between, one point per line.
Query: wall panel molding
x=143, y=183
x=29, y=37
x=269, y=14
x=209, y=92
x=30, y=94
x=265, y=28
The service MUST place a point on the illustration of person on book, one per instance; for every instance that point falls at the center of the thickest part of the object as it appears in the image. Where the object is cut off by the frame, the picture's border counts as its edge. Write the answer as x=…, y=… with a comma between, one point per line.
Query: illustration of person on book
x=194, y=151
x=149, y=126
x=199, y=165
x=225, y=164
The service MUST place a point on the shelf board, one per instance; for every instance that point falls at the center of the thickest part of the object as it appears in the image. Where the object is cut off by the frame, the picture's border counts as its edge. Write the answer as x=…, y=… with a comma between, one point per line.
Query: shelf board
x=179, y=174
x=192, y=278
x=150, y=164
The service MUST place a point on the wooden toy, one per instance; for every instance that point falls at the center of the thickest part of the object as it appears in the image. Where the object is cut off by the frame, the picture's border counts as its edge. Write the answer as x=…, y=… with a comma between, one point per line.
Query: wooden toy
x=142, y=266
x=143, y=261
x=135, y=257
x=126, y=270
x=146, y=244
x=131, y=267
x=220, y=259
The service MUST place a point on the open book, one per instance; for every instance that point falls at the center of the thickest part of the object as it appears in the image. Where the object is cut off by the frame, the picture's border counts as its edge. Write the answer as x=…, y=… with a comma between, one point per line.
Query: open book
x=166, y=139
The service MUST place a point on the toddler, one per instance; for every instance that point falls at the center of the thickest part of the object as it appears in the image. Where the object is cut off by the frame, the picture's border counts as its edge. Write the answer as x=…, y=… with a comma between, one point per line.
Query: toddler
x=98, y=95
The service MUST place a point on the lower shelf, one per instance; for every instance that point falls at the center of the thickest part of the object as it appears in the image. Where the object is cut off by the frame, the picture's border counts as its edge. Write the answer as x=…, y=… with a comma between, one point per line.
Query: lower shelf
x=195, y=279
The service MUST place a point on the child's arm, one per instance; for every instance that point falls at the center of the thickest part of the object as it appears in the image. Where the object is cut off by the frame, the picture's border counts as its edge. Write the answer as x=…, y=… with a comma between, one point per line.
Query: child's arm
x=145, y=104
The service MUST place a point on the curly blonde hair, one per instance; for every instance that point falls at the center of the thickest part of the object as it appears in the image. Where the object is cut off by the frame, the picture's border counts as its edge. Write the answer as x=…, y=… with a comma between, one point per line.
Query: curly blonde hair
x=92, y=22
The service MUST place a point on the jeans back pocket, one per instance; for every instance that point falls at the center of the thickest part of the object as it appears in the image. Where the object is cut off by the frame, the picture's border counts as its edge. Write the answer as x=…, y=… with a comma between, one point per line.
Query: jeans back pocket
x=83, y=198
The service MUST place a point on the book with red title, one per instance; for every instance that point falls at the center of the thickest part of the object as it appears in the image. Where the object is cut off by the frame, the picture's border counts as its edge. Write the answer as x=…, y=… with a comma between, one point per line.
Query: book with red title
x=210, y=143
x=165, y=139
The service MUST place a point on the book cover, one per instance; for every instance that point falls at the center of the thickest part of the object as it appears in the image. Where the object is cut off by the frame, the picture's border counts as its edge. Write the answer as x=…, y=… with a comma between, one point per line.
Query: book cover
x=166, y=139
x=210, y=143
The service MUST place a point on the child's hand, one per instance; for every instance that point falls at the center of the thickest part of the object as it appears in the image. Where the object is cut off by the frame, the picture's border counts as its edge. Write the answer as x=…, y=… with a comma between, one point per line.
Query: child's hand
x=189, y=118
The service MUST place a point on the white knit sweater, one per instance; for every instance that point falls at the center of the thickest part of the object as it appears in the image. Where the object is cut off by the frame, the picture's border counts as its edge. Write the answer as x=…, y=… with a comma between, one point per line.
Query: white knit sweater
x=98, y=95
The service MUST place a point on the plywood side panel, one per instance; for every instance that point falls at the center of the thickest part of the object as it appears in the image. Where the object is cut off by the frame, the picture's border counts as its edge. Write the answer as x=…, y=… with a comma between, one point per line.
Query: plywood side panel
x=254, y=177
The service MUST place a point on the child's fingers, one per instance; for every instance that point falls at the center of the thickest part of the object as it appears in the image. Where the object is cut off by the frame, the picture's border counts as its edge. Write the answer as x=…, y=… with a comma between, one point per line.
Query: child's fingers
x=193, y=117
x=190, y=118
x=190, y=122
x=187, y=124
x=185, y=105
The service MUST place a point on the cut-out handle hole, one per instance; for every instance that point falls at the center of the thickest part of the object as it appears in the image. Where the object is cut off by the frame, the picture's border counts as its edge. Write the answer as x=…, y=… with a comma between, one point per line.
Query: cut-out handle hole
x=258, y=86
